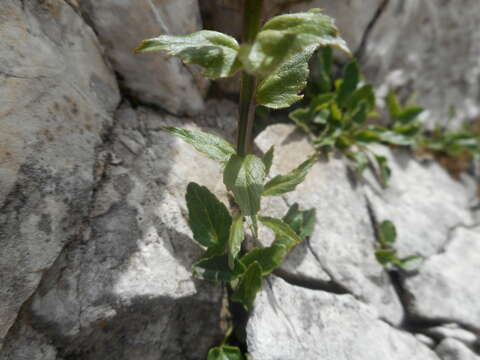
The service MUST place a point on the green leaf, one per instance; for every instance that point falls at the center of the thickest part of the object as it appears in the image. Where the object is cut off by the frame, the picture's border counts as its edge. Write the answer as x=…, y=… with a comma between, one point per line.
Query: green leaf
x=301, y=117
x=281, y=51
x=225, y=352
x=360, y=159
x=249, y=285
x=387, y=232
x=282, y=184
x=325, y=56
x=409, y=263
x=269, y=258
x=301, y=221
x=395, y=138
x=215, y=52
x=309, y=221
x=216, y=268
x=409, y=114
x=268, y=159
x=244, y=177
x=282, y=231
x=351, y=78
x=235, y=240
x=386, y=256
x=213, y=146
x=393, y=105
x=385, y=171
x=365, y=94
x=367, y=136
x=209, y=218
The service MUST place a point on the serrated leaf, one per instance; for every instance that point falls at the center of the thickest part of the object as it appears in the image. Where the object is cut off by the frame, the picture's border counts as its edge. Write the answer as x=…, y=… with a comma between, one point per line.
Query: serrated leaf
x=351, y=77
x=282, y=231
x=235, y=240
x=213, y=146
x=250, y=284
x=281, y=51
x=269, y=258
x=282, y=184
x=209, y=218
x=225, y=352
x=387, y=232
x=215, y=52
x=268, y=159
x=244, y=177
x=216, y=268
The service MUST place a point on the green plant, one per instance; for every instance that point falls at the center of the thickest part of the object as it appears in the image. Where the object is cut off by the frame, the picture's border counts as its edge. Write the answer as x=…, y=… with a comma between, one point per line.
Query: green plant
x=386, y=253
x=274, y=64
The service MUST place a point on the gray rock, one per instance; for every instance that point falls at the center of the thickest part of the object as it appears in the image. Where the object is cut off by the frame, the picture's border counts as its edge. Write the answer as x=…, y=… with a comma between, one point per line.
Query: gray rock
x=125, y=291
x=152, y=78
x=57, y=99
x=290, y=323
x=452, y=331
x=412, y=48
x=450, y=349
x=342, y=246
x=447, y=285
x=423, y=201
x=426, y=340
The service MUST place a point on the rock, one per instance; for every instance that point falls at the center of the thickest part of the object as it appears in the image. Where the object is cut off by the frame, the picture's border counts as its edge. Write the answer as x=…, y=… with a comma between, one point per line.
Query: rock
x=450, y=349
x=290, y=323
x=452, y=331
x=342, y=246
x=447, y=285
x=152, y=78
x=422, y=200
x=412, y=47
x=57, y=99
x=125, y=290
x=426, y=340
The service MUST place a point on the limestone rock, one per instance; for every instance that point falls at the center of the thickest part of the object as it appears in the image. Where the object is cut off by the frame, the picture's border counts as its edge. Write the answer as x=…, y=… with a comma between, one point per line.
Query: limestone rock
x=342, y=246
x=152, y=78
x=450, y=349
x=56, y=103
x=447, y=285
x=290, y=323
x=452, y=331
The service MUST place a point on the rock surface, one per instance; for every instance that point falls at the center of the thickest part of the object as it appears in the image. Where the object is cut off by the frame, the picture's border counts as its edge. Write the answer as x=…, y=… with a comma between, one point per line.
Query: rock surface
x=57, y=98
x=342, y=245
x=152, y=78
x=450, y=349
x=452, y=277
x=290, y=323
x=452, y=331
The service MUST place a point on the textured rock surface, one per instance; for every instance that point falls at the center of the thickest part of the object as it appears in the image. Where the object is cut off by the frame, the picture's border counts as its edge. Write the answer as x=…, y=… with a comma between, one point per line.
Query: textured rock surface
x=450, y=349
x=413, y=46
x=152, y=78
x=291, y=323
x=57, y=97
x=342, y=245
x=423, y=201
x=452, y=331
x=451, y=276
x=125, y=291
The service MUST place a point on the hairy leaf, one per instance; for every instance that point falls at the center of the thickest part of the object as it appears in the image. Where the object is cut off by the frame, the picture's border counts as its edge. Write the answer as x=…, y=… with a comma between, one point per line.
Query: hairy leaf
x=216, y=268
x=209, y=218
x=213, y=146
x=244, y=177
x=215, y=52
x=282, y=184
x=250, y=284
x=225, y=352
x=235, y=240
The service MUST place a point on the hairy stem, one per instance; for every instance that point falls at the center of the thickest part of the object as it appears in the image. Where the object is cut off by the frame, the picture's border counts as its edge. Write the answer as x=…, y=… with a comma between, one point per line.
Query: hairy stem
x=252, y=13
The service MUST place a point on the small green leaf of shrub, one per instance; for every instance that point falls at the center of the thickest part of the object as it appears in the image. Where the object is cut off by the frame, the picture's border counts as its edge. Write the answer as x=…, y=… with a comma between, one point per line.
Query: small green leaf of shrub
x=235, y=240
x=282, y=230
x=387, y=233
x=268, y=159
x=216, y=268
x=225, y=352
x=268, y=258
x=249, y=286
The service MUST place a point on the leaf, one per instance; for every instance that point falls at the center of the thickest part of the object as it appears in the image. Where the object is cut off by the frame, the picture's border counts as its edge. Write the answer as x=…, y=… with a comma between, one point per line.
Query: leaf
x=309, y=221
x=367, y=136
x=249, y=285
x=351, y=78
x=365, y=94
x=282, y=184
x=235, y=240
x=213, y=146
x=244, y=177
x=385, y=256
x=216, y=268
x=225, y=352
x=281, y=51
x=395, y=138
x=409, y=263
x=269, y=258
x=325, y=56
x=268, y=159
x=282, y=230
x=385, y=171
x=301, y=118
x=209, y=218
x=301, y=221
x=409, y=114
x=360, y=159
x=387, y=232
x=393, y=105
x=215, y=52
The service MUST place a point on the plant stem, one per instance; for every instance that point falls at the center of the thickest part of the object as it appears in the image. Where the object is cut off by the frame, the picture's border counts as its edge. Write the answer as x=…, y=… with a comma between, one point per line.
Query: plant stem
x=252, y=14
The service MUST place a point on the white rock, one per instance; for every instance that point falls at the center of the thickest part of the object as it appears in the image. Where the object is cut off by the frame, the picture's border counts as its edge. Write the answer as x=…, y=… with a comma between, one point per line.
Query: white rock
x=450, y=349
x=452, y=331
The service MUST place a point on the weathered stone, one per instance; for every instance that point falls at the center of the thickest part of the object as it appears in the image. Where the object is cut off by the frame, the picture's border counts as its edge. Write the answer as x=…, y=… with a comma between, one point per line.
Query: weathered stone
x=290, y=323
x=423, y=201
x=447, y=284
x=56, y=99
x=416, y=45
x=152, y=78
x=452, y=331
x=342, y=246
x=125, y=291
x=450, y=349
